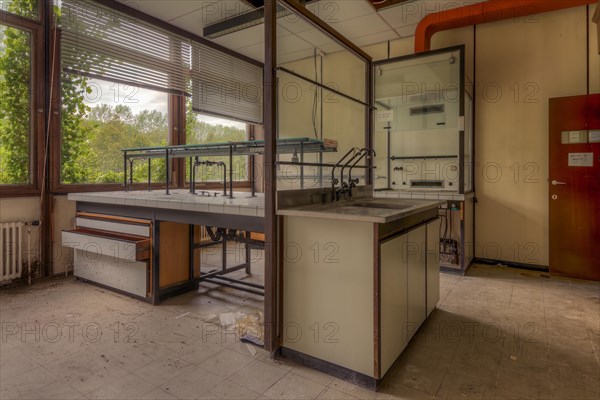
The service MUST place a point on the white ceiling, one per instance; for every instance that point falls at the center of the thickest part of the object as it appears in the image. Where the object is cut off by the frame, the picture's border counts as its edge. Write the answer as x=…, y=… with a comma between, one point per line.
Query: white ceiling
x=355, y=19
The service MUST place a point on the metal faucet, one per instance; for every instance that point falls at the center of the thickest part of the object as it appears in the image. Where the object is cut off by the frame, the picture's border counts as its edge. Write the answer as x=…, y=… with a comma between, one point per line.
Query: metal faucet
x=334, y=180
x=221, y=164
x=353, y=182
x=346, y=187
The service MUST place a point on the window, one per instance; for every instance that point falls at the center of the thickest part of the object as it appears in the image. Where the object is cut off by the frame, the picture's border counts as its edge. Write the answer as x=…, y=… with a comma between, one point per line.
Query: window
x=207, y=129
x=99, y=118
x=15, y=105
x=22, y=8
x=123, y=79
x=118, y=75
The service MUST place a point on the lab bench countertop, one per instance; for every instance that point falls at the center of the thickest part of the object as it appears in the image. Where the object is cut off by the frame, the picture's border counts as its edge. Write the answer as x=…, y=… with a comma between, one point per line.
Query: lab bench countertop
x=423, y=195
x=381, y=211
x=180, y=199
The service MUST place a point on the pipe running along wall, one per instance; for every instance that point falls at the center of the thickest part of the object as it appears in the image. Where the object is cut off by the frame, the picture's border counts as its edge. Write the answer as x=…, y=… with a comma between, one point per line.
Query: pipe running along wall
x=481, y=13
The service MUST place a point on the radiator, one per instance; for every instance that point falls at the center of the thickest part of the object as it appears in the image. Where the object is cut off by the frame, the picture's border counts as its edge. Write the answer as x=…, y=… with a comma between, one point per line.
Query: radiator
x=11, y=250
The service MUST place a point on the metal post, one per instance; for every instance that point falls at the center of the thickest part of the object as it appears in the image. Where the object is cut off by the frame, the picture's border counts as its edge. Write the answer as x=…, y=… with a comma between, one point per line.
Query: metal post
x=192, y=178
x=248, y=255
x=167, y=167
x=131, y=173
x=224, y=256
x=149, y=174
x=231, y=171
x=252, y=176
x=302, y=166
x=125, y=170
x=224, y=179
x=271, y=306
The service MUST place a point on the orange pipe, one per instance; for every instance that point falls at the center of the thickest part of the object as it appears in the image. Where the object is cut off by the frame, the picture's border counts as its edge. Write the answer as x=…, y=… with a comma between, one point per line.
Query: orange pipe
x=481, y=13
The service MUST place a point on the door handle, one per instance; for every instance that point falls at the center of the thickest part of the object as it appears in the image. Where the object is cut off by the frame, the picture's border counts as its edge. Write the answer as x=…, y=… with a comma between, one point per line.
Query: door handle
x=555, y=182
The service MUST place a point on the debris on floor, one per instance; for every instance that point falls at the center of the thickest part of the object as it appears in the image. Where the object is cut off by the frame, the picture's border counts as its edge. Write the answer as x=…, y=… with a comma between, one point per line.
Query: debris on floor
x=250, y=328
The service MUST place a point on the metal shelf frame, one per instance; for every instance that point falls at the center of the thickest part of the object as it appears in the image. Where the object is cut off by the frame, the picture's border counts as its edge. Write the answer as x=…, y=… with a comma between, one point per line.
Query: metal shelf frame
x=299, y=146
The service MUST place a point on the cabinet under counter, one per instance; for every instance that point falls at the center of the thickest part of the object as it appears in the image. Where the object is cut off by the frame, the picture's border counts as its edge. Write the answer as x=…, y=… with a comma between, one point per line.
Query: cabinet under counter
x=356, y=291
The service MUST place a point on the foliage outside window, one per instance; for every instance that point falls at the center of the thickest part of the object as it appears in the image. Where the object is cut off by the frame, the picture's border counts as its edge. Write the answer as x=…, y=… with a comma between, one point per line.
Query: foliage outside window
x=205, y=129
x=99, y=119
x=15, y=103
x=22, y=8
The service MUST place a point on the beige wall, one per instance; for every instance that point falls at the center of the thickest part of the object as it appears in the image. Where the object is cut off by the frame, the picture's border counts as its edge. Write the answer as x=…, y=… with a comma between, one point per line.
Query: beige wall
x=546, y=56
x=63, y=218
x=27, y=209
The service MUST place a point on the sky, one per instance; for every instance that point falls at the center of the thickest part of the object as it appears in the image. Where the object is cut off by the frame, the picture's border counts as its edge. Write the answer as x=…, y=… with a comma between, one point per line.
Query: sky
x=139, y=99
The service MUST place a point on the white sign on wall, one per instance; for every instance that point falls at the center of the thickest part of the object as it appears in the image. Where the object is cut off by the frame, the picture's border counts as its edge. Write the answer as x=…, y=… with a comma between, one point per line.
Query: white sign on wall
x=581, y=159
x=385, y=116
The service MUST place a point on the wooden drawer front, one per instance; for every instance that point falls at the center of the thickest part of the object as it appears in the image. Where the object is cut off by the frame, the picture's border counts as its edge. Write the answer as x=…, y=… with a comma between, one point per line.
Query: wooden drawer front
x=111, y=226
x=127, y=276
x=123, y=247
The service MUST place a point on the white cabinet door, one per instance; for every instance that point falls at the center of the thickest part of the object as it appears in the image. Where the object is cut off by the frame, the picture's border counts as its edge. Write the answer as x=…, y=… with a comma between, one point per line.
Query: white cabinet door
x=433, y=265
x=393, y=300
x=417, y=265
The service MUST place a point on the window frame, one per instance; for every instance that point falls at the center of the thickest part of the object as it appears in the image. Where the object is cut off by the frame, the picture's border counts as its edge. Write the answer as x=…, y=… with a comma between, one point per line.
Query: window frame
x=37, y=114
x=176, y=117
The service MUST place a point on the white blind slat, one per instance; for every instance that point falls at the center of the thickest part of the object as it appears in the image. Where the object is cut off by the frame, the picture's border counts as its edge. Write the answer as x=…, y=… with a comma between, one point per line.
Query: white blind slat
x=101, y=42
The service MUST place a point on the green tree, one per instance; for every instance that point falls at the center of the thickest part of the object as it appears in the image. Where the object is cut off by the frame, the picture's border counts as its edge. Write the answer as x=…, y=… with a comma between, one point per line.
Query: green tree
x=15, y=101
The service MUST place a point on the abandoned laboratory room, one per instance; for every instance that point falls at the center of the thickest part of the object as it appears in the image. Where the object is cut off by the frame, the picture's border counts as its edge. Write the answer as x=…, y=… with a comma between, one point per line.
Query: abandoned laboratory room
x=300, y=199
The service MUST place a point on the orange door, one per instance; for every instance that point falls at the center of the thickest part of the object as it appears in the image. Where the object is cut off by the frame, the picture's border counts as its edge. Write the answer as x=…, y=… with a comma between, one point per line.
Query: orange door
x=574, y=186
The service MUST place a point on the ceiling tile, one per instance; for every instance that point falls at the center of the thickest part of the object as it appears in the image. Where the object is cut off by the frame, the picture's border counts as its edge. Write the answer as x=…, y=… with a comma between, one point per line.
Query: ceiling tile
x=335, y=11
x=362, y=26
x=244, y=38
x=375, y=38
x=162, y=9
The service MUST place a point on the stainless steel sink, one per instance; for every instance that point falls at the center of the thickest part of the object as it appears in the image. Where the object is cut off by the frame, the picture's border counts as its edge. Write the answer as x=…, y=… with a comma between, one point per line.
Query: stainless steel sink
x=387, y=206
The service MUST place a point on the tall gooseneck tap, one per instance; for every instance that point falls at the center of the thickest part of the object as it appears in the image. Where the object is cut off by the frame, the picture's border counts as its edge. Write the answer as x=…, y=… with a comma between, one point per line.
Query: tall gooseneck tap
x=361, y=154
x=368, y=153
x=334, y=180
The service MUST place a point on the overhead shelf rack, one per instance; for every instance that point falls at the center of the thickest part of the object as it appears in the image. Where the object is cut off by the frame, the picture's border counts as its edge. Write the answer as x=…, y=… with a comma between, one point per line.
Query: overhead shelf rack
x=298, y=146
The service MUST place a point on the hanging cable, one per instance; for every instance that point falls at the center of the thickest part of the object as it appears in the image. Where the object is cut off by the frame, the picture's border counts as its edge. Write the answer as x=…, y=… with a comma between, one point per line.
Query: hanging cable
x=315, y=97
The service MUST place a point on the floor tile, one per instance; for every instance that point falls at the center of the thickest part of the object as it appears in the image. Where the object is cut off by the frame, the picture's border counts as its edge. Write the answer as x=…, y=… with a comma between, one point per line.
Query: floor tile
x=129, y=387
x=161, y=371
x=231, y=390
x=293, y=386
x=333, y=394
x=313, y=375
x=226, y=363
x=258, y=376
x=87, y=371
x=26, y=384
x=54, y=391
x=191, y=384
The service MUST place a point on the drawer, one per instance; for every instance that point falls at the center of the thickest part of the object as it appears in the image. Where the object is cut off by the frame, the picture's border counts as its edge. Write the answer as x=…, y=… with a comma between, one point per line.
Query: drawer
x=117, y=227
x=124, y=275
x=116, y=245
x=110, y=223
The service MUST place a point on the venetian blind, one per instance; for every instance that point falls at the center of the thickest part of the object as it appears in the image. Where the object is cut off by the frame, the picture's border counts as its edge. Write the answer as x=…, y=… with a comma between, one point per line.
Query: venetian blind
x=100, y=42
x=224, y=85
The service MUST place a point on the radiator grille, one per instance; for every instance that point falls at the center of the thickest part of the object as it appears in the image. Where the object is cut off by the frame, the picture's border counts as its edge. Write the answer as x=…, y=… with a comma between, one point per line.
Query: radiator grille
x=11, y=250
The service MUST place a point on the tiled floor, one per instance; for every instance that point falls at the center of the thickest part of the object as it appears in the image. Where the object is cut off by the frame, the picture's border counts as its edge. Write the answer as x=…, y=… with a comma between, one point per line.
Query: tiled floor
x=498, y=333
